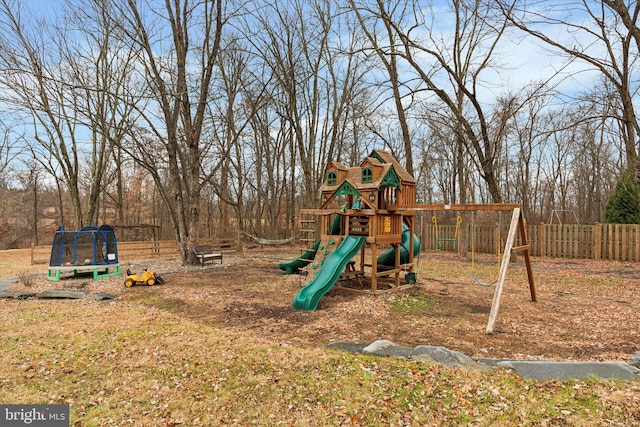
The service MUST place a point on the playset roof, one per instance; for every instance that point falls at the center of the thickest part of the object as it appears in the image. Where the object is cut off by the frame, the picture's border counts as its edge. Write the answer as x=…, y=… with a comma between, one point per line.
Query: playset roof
x=388, y=171
x=386, y=157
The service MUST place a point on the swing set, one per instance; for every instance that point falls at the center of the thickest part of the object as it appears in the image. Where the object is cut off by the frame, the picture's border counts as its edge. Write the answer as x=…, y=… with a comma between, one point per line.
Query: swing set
x=440, y=241
x=517, y=225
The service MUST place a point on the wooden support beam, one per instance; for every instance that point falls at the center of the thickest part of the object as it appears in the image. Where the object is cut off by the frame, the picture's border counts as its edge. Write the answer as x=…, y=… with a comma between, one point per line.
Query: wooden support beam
x=439, y=207
x=527, y=257
x=517, y=224
x=504, y=265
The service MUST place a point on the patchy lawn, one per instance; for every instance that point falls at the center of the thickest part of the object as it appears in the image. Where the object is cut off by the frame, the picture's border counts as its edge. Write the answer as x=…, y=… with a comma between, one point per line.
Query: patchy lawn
x=585, y=310
x=222, y=345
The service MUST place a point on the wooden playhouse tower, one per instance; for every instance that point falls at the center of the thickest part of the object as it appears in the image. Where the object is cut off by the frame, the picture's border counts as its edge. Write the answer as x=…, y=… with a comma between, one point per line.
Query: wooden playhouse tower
x=374, y=205
x=360, y=196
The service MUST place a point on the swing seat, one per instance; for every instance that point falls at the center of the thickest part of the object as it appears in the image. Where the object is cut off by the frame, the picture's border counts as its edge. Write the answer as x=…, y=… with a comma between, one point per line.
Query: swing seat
x=480, y=282
x=445, y=239
x=438, y=245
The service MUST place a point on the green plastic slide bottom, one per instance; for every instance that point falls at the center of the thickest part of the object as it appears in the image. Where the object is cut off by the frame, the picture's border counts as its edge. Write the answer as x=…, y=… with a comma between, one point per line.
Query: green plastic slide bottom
x=327, y=276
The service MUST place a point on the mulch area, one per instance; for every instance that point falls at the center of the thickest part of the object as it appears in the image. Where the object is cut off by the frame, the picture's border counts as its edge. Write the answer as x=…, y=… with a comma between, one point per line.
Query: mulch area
x=586, y=310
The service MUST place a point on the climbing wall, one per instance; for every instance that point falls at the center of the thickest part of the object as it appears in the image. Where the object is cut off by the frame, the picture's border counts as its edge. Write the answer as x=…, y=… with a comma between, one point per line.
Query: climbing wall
x=328, y=245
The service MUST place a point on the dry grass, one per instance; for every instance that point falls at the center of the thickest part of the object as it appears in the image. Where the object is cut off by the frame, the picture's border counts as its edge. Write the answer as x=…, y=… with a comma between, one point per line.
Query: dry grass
x=222, y=346
x=119, y=363
x=17, y=262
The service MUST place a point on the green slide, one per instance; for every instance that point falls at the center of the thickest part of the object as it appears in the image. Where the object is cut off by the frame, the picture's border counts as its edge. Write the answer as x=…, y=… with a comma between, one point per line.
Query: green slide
x=388, y=258
x=327, y=276
x=294, y=266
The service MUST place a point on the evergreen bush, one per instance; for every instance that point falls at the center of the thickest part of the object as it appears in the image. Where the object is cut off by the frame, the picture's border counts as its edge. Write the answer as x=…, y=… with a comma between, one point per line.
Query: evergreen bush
x=623, y=205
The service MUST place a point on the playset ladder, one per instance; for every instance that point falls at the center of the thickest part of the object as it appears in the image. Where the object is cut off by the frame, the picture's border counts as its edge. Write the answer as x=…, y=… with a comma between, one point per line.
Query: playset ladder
x=308, y=229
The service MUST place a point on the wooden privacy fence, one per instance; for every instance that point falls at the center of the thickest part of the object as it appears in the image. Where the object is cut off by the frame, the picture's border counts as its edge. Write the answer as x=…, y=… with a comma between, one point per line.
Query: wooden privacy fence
x=613, y=242
x=143, y=249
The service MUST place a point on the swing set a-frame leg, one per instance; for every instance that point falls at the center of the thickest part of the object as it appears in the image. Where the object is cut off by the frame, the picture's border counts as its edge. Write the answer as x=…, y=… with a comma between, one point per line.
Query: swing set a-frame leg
x=517, y=223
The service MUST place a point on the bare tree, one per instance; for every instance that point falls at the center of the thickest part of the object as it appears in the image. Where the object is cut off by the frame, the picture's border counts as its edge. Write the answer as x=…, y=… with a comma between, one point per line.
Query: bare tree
x=315, y=76
x=66, y=77
x=530, y=131
x=598, y=159
x=451, y=69
x=241, y=95
x=293, y=53
x=605, y=38
x=30, y=179
x=99, y=67
x=384, y=44
x=31, y=81
x=8, y=149
x=229, y=120
x=178, y=46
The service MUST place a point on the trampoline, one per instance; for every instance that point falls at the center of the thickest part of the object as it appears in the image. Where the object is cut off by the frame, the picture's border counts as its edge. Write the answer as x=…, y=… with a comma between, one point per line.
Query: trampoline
x=90, y=250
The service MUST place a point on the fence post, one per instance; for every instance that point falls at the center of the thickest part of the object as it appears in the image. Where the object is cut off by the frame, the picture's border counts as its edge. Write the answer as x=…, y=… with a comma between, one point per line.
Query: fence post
x=596, y=241
x=636, y=248
x=609, y=241
x=543, y=239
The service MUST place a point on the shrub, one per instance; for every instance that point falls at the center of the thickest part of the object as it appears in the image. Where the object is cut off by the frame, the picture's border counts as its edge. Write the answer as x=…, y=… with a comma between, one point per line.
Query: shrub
x=623, y=205
x=26, y=279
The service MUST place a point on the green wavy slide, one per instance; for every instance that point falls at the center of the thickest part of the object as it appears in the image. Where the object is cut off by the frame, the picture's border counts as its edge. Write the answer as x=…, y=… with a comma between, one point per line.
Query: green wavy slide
x=327, y=276
x=388, y=258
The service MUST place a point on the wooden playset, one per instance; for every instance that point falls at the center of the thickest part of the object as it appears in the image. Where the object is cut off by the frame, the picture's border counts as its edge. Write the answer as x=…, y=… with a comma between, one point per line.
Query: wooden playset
x=360, y=197
x=367, y=210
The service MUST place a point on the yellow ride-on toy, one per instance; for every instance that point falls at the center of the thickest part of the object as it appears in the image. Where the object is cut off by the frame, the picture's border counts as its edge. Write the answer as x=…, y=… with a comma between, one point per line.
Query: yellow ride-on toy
x=147, y=278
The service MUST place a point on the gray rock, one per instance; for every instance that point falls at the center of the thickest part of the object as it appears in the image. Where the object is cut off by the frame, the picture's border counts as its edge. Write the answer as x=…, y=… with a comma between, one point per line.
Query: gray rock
x=101, y=296
x=445, y=356
x=4, y=285
x=634, y=360
x=387, y=348
x=61, y=294
x=532, y=369
x=347, y=346
x=489, y=362
x=56, y=294
x=16, y=294
x=545, y=370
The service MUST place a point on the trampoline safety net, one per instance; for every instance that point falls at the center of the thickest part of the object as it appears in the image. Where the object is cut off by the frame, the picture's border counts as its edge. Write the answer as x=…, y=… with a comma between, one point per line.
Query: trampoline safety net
x=89, y=246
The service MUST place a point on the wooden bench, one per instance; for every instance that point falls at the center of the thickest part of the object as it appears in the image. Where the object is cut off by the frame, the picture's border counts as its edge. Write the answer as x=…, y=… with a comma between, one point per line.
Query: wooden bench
x=204, y=254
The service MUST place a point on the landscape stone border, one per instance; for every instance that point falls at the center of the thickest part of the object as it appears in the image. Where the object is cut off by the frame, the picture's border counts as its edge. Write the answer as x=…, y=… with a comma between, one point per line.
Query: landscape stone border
x=539, y=370
x=56, y=294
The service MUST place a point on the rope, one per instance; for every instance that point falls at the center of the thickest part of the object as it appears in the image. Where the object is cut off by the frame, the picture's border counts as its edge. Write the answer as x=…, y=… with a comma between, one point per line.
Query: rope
x=434, y=220
x=473, y=252
x=499, y=241
x=274, y=242
x=458, y=221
